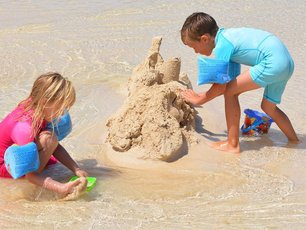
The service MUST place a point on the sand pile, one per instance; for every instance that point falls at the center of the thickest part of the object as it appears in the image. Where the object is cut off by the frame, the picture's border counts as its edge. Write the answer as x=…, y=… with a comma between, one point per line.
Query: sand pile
x=154, y=118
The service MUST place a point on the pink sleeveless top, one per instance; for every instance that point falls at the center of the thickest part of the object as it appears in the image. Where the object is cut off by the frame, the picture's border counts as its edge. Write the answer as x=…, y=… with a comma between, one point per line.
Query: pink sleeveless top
x=15, y=128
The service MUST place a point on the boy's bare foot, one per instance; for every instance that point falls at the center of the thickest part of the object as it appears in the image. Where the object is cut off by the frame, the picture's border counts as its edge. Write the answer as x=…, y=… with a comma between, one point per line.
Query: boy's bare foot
x=75, y=189
x=295, y=141
x=224, y=146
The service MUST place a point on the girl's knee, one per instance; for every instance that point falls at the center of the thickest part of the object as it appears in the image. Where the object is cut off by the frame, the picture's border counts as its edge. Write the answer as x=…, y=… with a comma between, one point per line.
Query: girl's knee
x=47, y=139
x=30, y=177
x=47, y=143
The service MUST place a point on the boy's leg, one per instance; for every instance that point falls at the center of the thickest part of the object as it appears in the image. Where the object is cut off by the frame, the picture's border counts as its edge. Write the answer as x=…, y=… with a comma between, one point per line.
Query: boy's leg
x=46, y=144
x=280, y=119
x=241, y=84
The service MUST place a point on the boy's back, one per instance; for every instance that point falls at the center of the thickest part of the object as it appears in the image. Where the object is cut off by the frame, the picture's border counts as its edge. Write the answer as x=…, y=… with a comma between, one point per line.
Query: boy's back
x=245, y=45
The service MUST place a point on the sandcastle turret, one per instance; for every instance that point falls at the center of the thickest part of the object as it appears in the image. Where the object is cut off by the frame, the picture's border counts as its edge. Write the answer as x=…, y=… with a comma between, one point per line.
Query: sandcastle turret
x=154, y=117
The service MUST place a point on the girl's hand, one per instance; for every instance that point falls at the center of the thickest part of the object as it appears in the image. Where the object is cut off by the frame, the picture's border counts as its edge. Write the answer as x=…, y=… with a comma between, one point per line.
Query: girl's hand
x=81, y=173
x=192, y=97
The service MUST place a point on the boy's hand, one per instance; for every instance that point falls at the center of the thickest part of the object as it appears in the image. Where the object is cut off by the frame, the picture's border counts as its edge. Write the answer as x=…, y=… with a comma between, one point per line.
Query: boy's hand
x=192, y=97
x=81, y=173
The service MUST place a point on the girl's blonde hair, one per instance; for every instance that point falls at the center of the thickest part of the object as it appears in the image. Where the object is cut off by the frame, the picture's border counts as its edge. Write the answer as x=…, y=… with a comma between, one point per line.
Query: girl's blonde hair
x=50, y=88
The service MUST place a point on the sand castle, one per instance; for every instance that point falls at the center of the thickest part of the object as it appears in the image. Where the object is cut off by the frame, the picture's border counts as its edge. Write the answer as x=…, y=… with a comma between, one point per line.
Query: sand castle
x=154, y=118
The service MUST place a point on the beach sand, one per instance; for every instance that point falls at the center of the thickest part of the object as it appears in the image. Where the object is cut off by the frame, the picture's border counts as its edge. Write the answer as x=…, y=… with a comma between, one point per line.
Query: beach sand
x=97, y=45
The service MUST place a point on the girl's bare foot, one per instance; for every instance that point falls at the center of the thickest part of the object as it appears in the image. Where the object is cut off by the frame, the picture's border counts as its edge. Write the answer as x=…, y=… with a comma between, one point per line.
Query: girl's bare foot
x=75, y=189
x=224, y=146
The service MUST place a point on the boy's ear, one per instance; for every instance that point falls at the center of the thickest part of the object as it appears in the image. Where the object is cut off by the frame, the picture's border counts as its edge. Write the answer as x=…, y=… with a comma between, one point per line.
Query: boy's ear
x=205, y=38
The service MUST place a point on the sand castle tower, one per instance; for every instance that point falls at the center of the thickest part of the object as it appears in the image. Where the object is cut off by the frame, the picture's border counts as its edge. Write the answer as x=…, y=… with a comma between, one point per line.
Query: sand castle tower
x=154, y=118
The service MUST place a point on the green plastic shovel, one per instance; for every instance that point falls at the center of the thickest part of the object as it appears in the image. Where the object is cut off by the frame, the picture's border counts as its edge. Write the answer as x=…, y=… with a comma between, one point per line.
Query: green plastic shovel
x=91, y=182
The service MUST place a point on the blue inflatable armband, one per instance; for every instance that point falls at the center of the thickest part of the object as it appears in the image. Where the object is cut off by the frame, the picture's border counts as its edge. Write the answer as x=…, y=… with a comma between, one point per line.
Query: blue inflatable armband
x=234, y=69
x=61, y=126
x=212, y=71
x=20, y=160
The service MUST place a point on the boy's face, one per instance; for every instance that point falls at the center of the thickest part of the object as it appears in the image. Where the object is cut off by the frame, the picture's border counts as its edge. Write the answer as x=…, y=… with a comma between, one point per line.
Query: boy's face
x=205, y=46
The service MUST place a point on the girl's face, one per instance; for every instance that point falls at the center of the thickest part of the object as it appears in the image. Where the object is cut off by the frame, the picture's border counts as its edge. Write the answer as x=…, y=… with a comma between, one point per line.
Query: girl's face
x=52, y=111
x=205, y=46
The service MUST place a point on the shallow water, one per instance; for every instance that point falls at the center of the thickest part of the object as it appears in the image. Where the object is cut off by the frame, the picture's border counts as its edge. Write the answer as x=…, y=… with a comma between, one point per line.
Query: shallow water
x=96, y=44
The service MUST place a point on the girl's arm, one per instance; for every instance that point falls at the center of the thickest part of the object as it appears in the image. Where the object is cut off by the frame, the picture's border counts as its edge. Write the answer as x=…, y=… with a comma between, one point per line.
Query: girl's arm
x=63, y=156
x=201, y=98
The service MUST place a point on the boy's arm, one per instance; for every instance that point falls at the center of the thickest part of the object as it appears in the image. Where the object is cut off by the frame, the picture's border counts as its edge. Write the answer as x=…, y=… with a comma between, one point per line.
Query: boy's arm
x=201, y=98
x=63, y=156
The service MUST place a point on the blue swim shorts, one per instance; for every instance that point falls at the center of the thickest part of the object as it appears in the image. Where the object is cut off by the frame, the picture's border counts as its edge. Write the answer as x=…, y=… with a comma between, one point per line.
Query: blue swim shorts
x=274, y=68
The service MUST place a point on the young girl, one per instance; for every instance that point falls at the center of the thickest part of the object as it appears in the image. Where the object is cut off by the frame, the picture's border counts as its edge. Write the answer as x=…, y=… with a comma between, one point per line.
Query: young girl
x=50, y=97
x=271, y=68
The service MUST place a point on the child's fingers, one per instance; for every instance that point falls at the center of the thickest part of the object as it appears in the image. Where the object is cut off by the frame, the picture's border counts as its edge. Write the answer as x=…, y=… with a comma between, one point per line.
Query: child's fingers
x=187, y=92
x=187, y=97
x=81, y=173
x=190, y=94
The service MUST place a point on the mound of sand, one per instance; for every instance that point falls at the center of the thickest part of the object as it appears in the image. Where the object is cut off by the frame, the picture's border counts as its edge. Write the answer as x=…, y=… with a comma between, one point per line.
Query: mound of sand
x=154, y=117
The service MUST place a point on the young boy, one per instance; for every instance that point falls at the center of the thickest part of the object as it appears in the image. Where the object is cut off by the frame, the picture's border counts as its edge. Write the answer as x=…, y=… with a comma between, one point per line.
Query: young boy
x=271, y=68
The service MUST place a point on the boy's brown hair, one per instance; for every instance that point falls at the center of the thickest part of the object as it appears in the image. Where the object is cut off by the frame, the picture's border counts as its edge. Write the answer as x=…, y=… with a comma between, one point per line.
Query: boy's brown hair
x=198, y=24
